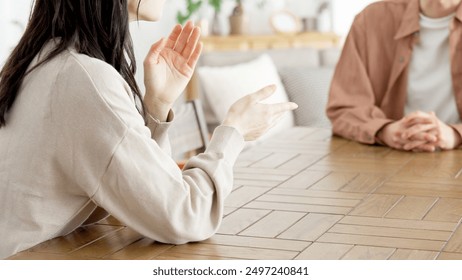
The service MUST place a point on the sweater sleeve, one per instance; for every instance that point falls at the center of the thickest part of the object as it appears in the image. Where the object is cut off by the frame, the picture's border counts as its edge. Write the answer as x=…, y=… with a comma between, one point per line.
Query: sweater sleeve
x=351, y=106
x=110, y=154
x=145, y=189
x=159, y=131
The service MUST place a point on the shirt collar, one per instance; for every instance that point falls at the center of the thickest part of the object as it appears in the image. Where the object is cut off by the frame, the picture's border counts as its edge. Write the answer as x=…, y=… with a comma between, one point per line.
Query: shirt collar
x=459, y=13
x=411, y=20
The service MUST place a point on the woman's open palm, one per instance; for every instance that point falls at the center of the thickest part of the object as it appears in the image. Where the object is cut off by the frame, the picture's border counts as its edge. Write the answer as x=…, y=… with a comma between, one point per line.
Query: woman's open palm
x=170, y=64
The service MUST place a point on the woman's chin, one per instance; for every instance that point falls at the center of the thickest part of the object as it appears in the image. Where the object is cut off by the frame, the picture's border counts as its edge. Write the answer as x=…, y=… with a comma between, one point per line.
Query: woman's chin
x=150, y=17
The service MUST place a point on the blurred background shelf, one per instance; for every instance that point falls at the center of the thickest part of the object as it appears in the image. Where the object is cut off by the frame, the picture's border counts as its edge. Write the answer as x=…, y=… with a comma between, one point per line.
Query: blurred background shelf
x=265, y=42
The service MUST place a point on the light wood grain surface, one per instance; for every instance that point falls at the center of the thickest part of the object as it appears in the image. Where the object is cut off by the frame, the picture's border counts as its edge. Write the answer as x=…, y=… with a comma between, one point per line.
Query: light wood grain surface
x=306, y=195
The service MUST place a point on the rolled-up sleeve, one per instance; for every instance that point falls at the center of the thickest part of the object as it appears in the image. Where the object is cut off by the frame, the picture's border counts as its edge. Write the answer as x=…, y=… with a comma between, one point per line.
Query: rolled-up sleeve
x=352, y=106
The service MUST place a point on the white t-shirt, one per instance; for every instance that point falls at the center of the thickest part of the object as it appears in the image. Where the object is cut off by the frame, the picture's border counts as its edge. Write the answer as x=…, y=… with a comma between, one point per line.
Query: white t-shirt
x=430, y=87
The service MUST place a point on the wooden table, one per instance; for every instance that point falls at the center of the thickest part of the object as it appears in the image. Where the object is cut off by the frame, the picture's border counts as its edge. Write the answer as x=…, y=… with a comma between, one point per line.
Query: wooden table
x=304, y=195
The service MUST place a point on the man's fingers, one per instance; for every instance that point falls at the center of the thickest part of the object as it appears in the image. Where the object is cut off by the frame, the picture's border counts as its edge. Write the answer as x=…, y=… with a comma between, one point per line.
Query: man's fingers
x=417, y=118
x=171, y=42
x=418, y=114
x=428, y=148
x=411, y=121
x=418, y=129
x=413, y=145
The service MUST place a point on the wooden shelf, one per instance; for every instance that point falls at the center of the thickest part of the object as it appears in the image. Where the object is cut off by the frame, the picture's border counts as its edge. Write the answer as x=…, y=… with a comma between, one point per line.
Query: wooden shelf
x=264, y=42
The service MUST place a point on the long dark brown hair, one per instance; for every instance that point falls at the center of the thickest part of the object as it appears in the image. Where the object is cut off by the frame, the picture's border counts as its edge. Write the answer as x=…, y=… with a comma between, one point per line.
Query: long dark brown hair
x=97, y=28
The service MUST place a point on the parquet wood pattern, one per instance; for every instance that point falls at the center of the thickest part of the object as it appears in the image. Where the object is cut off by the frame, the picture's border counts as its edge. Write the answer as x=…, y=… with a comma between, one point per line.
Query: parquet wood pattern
x=306, y=195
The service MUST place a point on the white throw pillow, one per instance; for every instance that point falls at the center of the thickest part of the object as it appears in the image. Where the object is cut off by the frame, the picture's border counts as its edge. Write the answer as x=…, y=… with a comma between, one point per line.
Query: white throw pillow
x=225, y=85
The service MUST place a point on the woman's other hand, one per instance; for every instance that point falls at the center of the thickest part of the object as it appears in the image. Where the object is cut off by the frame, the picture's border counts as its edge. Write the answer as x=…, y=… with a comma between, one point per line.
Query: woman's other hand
x=253, y=118
x=168, y=68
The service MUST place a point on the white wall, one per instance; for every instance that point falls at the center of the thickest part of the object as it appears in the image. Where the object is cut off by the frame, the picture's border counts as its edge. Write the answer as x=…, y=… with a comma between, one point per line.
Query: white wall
x=13, y=19
x=344, y=12
x=144, y=33
x=14, y=15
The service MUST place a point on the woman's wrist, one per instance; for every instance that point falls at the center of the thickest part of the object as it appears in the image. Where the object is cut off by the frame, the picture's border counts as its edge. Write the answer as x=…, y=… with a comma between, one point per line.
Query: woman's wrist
x=228, y=123
x=158, y=111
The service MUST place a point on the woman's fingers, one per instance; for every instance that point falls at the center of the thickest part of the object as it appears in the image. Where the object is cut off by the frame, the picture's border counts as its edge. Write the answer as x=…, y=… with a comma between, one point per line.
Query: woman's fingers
x=154, y=52
x=194, y=58
x=253, y=118
x=173, y=38
x=263, y=93
x=184, y=37
x=281, y=108
x=192, y=43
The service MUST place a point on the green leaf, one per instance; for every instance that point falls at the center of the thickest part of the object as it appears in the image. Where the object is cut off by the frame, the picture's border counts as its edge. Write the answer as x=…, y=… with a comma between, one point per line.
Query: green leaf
x=191, y=8
x=216, y=4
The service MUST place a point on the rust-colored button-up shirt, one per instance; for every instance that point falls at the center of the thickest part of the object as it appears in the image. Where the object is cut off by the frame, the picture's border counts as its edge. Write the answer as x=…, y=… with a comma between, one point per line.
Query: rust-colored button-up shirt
x=369, y=88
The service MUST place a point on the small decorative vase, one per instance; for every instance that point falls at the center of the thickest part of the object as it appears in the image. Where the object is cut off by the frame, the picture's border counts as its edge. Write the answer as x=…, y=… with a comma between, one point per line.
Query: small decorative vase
x=238, y=21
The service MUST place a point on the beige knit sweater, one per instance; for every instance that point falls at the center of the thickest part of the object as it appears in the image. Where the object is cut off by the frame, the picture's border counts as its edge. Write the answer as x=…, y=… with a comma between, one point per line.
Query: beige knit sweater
x=74, y=140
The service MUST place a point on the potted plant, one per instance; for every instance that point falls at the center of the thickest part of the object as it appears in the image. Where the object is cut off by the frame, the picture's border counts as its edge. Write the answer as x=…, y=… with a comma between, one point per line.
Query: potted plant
x=191, y=8
x=238, y=20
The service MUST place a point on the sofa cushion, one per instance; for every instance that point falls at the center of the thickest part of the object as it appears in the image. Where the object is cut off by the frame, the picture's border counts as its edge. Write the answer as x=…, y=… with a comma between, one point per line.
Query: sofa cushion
x=309, y=88
x=225, y=85
x=329, y=57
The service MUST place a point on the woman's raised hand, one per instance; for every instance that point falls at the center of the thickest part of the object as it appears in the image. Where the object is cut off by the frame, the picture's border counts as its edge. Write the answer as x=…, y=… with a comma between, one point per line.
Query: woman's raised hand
x=253, y=118
x=168, y=68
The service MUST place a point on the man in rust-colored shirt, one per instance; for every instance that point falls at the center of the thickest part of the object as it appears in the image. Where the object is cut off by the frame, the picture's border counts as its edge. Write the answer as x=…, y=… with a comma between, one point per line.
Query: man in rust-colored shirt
x=399, y=79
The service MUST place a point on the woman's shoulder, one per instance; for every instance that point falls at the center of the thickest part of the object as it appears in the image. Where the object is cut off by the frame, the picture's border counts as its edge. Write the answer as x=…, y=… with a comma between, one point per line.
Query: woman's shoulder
x=80, y=71
x=96, y=70
x=94, y=86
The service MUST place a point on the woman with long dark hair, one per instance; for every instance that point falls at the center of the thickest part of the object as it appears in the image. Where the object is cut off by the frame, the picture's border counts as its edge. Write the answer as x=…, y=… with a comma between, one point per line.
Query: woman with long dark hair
x=73, y=138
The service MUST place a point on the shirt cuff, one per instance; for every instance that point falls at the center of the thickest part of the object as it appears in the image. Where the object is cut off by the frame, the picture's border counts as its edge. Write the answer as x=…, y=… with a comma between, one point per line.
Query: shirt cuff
x=227, y=141
x=369, y=136
x=159, y=129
